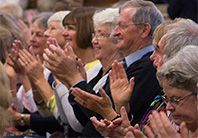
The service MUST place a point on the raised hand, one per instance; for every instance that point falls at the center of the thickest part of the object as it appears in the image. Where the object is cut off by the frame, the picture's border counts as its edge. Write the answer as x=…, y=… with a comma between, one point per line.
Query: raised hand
x=101, y=105
x=31, y=65
x=121, y=89
x=115, y=128
x=62, y=63
x=162, y=128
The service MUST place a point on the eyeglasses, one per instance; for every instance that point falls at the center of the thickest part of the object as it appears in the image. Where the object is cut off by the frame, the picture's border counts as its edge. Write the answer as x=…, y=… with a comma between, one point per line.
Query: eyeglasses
x=100, y=35
x=124, y=25
x=174, y=100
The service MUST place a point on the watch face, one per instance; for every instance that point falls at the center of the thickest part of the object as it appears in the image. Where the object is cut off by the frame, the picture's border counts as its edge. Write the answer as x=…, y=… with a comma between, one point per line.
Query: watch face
x=22, y=123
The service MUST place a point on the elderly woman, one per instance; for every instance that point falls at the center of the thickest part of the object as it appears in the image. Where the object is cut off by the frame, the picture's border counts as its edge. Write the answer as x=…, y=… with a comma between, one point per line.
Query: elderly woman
x=178, y=77
x=104, y=49
x=38, y=75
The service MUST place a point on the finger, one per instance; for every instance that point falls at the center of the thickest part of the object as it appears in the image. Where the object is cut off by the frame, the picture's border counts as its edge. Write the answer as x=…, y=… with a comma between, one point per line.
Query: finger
x=70, y=52
x=124, y=116
x=49, y=56
x=114, y=70
x=138, y=134
x=31, y=51
x=97, y=124
x=167, y=127
x=30, y=57
x=25, y=56
x=149, y=132
x=129, y=134
x=55, y=42
x=21, y=24
x=13, y=107
x=121, y=72
x=131, y=84
x=107, y=122
x=137, y=126
x=155, y=121
x=115, y=123
x=19, y=44
x=103, y=93
x=56, y=50
x=184, y=131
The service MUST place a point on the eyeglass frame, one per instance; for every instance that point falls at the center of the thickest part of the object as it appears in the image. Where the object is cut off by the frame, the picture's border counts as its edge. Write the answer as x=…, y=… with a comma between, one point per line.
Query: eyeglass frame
x=124, y=25
x=174, y=100
x=100, y=35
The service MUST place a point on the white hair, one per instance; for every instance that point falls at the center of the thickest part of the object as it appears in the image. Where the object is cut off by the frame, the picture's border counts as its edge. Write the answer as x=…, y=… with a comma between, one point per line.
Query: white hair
x=181, y=34
x=109, y=15
x=58, y=16
x=181, y=70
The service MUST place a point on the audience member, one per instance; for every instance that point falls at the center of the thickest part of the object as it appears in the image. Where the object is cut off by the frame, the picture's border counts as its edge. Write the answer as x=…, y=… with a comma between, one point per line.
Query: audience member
x=12, y=9
x=178, y=77
x=144, y=31
x=5, y=100
x=103, y=50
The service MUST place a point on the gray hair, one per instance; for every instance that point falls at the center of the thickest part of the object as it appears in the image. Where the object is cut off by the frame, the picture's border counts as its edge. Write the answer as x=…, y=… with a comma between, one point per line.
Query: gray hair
x=107, y=16
x=58, y=16
x=181, y=34
x=42, y=18
x=181, y=71
x=146, y=12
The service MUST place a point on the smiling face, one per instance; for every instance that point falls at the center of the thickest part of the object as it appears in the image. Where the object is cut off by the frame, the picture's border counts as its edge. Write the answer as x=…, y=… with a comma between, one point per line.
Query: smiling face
x=55, y=30
x=158, y=53
x=186, y=109
x=103, y=45
x=37, y=39
x=127, y=32
x=70, y=35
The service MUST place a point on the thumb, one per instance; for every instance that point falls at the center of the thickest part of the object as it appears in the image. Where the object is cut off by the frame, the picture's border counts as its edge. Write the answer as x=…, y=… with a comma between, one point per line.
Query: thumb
x=124, y=116
x=131, y=83
x=13, y=107
x=103, y=93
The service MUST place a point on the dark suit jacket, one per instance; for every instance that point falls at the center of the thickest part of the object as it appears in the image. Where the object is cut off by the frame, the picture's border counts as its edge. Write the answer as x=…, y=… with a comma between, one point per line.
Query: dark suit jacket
x=145, y=89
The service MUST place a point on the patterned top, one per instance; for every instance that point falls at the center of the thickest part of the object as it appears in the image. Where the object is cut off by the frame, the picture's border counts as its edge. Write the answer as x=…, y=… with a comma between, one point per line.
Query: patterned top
x=157, y=105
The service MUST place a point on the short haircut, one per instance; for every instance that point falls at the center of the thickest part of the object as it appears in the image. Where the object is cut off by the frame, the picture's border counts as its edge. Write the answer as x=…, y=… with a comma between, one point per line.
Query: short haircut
x=146, y=12
x=42, y=18
x=180, y=34
x=181, y=70
x=58, y=16
x=82, y=19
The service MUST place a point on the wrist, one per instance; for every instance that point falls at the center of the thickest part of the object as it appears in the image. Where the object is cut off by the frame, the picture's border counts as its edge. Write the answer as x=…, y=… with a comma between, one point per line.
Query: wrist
x=22, y=121
x=110, y=114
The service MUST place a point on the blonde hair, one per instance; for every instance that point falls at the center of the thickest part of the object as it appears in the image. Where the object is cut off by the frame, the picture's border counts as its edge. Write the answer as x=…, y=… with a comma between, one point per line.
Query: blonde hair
x=12, y=9
x=5, y=100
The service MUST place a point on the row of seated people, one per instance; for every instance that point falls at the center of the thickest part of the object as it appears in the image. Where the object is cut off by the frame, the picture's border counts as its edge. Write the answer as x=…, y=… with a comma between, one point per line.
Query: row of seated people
x=78, y=65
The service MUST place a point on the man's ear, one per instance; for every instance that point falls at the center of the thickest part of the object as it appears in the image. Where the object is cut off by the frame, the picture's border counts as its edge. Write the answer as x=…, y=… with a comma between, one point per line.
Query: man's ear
x=146, y=28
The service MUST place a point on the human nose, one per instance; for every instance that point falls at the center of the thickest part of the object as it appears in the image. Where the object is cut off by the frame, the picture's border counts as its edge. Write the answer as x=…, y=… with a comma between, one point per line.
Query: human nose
x=116, y=31
x=32, y=37
x=152, y=57
x=46, y=33
x=93, y=39
x=169, y=106
x=65, y=32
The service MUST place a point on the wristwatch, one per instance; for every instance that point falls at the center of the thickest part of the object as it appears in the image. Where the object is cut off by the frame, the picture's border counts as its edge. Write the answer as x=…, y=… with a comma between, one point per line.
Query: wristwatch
x=22, y=123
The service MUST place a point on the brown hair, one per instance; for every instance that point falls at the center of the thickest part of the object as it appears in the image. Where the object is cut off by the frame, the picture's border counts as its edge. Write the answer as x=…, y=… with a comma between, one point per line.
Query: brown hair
x=82, y=19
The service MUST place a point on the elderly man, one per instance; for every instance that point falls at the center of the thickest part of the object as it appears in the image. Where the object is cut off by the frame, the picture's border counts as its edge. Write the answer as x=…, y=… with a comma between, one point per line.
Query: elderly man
x=134, y=39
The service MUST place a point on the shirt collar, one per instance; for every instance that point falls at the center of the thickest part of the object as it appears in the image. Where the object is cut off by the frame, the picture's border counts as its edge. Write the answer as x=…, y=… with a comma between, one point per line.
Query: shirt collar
x=138, y=54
